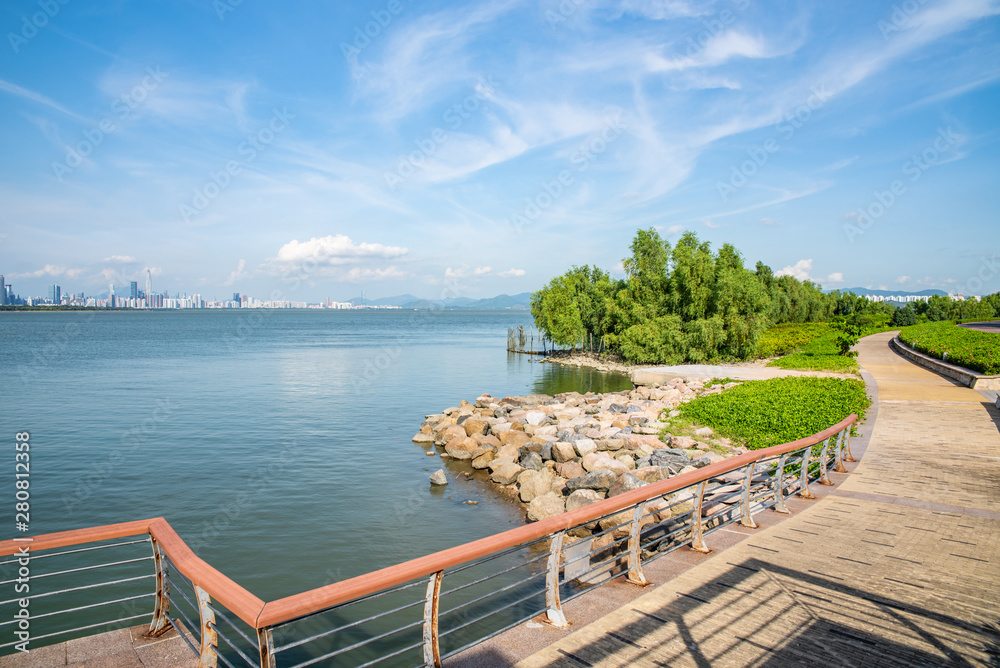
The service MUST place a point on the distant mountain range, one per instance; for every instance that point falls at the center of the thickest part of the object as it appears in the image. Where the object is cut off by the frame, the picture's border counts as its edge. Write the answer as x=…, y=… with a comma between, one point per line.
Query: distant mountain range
x=892, y=293
x=518, y=302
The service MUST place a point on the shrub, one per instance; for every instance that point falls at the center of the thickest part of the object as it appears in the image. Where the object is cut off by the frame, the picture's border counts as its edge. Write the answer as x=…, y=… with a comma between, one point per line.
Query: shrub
x=979, y=351
x=762, y=413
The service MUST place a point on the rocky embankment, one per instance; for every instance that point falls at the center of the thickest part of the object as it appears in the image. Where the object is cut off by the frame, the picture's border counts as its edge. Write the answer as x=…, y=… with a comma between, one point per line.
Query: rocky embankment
x=556, y=454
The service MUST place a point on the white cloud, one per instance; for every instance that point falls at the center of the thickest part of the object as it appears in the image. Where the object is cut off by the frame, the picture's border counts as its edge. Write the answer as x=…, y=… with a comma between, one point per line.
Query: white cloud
x=357, y=273
x=799, y=270
x=512, y=273
x=238, y=274
x=47, y=270
x=674, y=229
x=482, y=271
x=334, y=250
x=710, y=224
x=121, y=259
x=903, y=279
x=835, y=277
x=771, y=222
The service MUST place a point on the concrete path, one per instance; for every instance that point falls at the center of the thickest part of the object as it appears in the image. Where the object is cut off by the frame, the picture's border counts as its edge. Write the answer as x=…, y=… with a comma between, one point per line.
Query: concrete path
x=661, y=374
x=992, y=326
x=898, y=566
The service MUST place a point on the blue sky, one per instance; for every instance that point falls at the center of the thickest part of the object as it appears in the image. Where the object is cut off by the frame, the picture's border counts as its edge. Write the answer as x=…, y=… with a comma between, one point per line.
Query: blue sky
x=315, y=149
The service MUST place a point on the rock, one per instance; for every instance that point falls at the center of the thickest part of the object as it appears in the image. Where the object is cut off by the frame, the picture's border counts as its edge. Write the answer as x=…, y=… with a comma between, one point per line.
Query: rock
x=438, y=478
x=584, y=446
x=534, y=418
x=532, y=461
x=599, y=480
x=500, y=461
x=570, y=470
x=491, y=441
x=713, y=458
x=563, y=451
x=500, y=428
x=626, y=482
x=430, y=453
x=506, y=474
x=423, y=438
x=581, y=498
x=547, y=430
x=626, y=460
x=616, y=408
x=704, y=432
x=612, y=444
x=673, y=413
x=545, y=506
x=461, y=448
x=483, y=461
x=669, y=460
x=682, y=442
x=701, y=462
x=534, y=484
x=632, y=408
x=546, y=452
x=650, y=474
x=482, y=450
x=450, y=433
x=514, y=437
x=484, y=401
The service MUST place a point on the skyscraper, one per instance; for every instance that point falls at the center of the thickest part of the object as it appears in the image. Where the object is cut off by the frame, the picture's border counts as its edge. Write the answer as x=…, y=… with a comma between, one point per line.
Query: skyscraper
x=149, y=289
x=111, y=295
x=55, y=294
x=3, y=292
x=134, y=289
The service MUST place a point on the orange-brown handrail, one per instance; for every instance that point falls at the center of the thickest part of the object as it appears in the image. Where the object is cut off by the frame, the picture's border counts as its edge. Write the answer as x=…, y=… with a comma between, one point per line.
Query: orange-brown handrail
x=262, y=615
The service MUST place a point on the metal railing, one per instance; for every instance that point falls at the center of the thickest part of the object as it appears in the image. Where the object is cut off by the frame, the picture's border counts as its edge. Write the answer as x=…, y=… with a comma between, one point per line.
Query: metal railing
x=420, y=611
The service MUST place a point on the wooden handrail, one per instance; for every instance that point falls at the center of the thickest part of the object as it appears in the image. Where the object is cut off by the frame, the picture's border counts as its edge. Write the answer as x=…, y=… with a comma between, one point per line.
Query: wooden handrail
x=259, y=614
x=78, y=536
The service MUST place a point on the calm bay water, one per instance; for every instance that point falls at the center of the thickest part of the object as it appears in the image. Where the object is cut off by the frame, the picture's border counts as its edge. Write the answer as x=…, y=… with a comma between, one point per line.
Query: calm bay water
x=276, y=443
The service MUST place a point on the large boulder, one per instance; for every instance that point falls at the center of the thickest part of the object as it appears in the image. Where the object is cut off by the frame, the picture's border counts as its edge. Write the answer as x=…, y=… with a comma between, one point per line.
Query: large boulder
x=535, y=418
x=599, y=480
x=532, y=461
x=475, y=425
x=461, y=448
x=534, y=484
x=450, y=433
x=626, y=482
x=545, y=506
x=483, y=460
x=651, y=474
x=581, y=498
x=570, y=470
x=563, y=451
x=682, y=442
x=438, y=478
x=515, y=438
x=506, y=474
x=584, y=446
x=423, y=439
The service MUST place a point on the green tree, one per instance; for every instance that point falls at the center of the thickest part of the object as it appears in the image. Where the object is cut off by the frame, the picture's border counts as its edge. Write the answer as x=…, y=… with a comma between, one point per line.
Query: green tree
x=556, y=313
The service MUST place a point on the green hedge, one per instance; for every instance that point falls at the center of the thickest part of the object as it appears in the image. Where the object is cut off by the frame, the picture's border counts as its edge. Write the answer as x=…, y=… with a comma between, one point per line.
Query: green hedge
x=770, y=412
x=979, y=351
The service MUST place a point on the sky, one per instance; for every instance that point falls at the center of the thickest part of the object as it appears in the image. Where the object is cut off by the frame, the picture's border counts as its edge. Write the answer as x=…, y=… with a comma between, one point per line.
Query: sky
x=312, y=150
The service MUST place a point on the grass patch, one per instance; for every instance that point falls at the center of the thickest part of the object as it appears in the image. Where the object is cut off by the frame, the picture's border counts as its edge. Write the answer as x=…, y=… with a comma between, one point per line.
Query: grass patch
x=979, y=351
x=763, y=413
x=819, y=354
x=783, y=339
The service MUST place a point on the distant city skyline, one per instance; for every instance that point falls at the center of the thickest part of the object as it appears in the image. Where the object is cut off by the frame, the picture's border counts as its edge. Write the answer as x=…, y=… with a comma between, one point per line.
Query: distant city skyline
x=475, y=149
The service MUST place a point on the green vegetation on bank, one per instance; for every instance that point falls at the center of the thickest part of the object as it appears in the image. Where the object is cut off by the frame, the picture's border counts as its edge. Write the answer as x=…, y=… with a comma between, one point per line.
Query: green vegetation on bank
x=689, y=304
x=979, y=351
x=763, y=413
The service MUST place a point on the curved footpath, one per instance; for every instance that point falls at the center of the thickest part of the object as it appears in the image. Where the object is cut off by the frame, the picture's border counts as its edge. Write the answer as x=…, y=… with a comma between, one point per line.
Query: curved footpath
x=897, y=566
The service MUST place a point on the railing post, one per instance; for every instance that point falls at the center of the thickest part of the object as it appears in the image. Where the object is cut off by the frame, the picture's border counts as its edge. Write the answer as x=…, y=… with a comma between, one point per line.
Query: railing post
x=432, y=651
x=779, y=485
x=747, y=518
x=697, y=540
x=553, y=605
x=804, y=474
x=839, y=454
x=635, y=574
x=824, y=458
x=161, y=610
x=847, y=445
x=209, y=656
x=265, y=641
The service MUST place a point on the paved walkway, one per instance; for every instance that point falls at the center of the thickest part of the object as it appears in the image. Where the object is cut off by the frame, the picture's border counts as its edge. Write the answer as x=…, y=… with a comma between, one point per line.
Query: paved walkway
x=899, y=566
x=662, y=374
x=124, y=648
x=992, y=326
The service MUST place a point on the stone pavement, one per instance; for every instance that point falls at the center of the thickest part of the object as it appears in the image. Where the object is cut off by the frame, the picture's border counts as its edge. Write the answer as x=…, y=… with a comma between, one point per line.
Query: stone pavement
x=124, y=648
x=662, y=374
x=898, y=566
